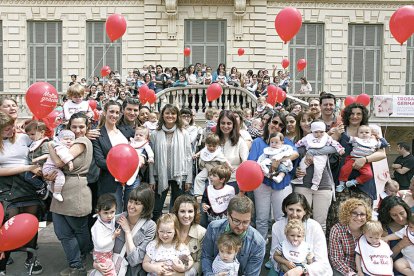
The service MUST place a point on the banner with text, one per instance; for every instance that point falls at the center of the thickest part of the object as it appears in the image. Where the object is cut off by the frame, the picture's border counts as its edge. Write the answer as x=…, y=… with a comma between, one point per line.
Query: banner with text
x=394, y=106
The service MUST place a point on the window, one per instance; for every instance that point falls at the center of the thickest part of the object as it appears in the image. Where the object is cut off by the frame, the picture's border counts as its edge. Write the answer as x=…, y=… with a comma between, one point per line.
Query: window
x=364, y=59
x=307, y=44
x=1, y=57
x=409, y=85
x=207, y=40
x=45, y=52
x=100, y=52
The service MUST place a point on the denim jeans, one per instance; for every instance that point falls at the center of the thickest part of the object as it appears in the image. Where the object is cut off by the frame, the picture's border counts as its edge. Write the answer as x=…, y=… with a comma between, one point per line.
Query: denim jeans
x=128, y=190
x=73, y=233
x=34, y=180
x=176, y=191
x=122, y=195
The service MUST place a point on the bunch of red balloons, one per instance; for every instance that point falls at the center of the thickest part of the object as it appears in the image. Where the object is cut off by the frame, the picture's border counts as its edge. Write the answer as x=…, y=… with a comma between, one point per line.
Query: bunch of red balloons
x=146, y=95
x=122, y=162
x=17, y=231
x=275, y=95
x=363, y=99
x=287, y=23
x=402, y=23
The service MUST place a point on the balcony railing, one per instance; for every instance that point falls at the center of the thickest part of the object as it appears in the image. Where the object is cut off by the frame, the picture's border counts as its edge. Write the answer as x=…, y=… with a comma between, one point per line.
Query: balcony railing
x=194, y=97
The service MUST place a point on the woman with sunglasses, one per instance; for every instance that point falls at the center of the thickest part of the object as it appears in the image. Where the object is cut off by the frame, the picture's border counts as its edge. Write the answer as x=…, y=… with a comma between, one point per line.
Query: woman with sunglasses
x=269, y=193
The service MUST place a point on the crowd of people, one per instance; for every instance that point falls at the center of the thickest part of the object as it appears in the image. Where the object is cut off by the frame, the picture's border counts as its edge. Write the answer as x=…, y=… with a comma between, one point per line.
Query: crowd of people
x=318, y=188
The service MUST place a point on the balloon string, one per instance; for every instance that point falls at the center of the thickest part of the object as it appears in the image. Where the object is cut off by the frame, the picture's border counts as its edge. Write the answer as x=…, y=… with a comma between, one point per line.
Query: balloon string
x=104, y=54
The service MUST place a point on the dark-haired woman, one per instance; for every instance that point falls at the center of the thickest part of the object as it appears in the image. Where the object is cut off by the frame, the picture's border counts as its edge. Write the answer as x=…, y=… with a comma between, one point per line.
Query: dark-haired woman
x=295, y=206
x=173, y=158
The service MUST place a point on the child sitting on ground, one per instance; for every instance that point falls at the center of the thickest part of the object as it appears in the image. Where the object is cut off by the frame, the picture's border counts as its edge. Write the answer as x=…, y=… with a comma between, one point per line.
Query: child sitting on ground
x=61, y=145
x=228, y=245
x=294, y=250
x=373, y=255
x=316, y=140
x=104, y=233
x=362, y=146
x=277, y=151
x=140, y=143
x=167, y=254
x=210, y=156
x=217, y=195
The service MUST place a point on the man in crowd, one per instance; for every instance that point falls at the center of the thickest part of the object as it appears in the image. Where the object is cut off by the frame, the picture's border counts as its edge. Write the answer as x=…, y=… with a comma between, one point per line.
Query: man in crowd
x=403, y=166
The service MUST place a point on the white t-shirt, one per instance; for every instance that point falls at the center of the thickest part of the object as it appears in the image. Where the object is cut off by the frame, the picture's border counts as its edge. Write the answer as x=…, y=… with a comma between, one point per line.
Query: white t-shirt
x=408, y=251
x=295, y=254
x=70, y=108
x=15, y=154
x=375, y=260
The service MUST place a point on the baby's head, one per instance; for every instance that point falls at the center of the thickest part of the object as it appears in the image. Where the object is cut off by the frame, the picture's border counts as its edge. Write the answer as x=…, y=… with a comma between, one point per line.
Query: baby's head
x=228, y=245
x=257, y=124
x=276, y=140
x=391, y=187
x=35, y=130
x=106, y=207
x=295, y=232
x=261, y=101
x=373, y=231
x=66, y=137
x=318, y=129
x=247, y=113
x=212, y=114
x=364, y=132
x=141, y=134
x=76, y=93
x=212, y=142
x=152, y=117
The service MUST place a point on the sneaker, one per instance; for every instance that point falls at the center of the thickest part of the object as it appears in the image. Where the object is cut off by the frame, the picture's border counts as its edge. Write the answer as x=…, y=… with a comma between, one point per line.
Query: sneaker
x=269, y=264
x=351, y=183
x=10, y=260
x=340, y=188
x=297, y=181
x=58, y=196
x=2, y=273
x=43, y=193
x=81, y=271
x=65, y=272
x=278, y=178
x=35, y=267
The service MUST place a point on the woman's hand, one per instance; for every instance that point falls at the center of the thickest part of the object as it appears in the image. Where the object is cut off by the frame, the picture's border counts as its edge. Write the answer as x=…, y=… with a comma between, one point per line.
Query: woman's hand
x=404, y=243
x=36, y=170
x=123, y=221
x=359, y=163
x=300, y=173
x=308, y=160
x=102, y=268
x=275, y=165
x=50, y=176
x=2, y=256
x=178, y=265
x=164, y=269
x=93, y=134
x=296, y=271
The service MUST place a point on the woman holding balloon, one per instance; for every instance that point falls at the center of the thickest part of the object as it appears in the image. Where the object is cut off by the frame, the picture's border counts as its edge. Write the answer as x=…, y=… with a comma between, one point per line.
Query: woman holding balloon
x=70, y=217
x=269, y=193
x=16, y=195
x=111, y=136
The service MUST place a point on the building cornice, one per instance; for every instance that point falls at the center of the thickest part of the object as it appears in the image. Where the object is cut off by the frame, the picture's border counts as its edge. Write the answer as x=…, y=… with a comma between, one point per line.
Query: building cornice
x=74, y=3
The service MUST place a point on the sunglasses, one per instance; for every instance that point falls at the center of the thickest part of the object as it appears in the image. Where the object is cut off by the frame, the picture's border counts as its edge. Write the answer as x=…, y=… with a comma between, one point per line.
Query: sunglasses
x=275, y=122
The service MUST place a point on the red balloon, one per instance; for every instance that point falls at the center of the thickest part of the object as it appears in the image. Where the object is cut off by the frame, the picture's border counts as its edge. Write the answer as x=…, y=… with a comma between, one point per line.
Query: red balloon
x=152, y=98
x=143, y=94
x=52, y=120
x=249, y=175
x=349, y=100
x=363, y=99
x=41, y=98
x=271, y=94
x=287, y=23
x=240, y=51
x=301, y=64
x=18, y=231
x=105, y=71
x=96, y=115
x=1, y=213
x=214, y=92
x=214, y=128
x=280, y=95
x=402, y=23
x=285, y=63
x=122, y=162
x=187, y=51
x=115, y=26
x=93, y=104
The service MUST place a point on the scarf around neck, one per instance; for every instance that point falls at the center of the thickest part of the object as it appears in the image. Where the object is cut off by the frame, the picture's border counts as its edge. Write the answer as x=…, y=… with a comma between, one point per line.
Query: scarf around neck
x=169, y=130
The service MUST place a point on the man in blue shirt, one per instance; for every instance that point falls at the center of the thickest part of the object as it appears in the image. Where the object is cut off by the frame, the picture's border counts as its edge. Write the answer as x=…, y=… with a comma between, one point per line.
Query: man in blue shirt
x=251, y=255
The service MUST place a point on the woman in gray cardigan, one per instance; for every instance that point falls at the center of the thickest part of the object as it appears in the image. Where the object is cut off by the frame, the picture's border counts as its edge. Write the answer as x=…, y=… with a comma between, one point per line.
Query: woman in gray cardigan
x=173, y=158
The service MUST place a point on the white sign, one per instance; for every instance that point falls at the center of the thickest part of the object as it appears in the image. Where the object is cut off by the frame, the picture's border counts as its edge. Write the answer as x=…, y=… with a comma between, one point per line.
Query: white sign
x=394, y=106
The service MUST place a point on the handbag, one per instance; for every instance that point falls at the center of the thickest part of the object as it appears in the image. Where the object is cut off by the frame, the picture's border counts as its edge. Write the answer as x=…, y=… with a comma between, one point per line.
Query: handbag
x=120, y=263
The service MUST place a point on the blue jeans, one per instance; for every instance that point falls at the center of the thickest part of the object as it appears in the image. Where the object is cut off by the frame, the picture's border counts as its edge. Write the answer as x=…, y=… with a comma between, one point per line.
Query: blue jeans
x=128, y=190
x=34, y=180
x=73, y=233
x=122, y=195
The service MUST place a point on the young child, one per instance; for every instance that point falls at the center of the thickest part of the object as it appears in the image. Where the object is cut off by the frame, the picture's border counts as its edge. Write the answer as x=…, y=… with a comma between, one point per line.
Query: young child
x=200, y=77
x=228, y=245
x=62, y=144
x=316, y=140
x=210, y=156
x=217, y=195
x=261, y=105
x=212, y=115
x=221, y=78
x=38, y=153
x=207, y=79
x=140, y=143
x=294, y=250
x=362, y=146
x=404, y=265
x=256, y=128
x=75, y=103
x=167, y=254
x=391, y=188
x=152, y=122
x=373, y=255
x=247, y=116
x=234, y=80
x=104, y=232
x=276, y=151
x=181, y=82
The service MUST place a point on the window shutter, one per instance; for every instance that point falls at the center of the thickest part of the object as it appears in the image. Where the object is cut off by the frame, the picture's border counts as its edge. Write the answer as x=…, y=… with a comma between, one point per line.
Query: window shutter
x=197, y=54
x=212, y=56
x=197, y=29
x=51, y=62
